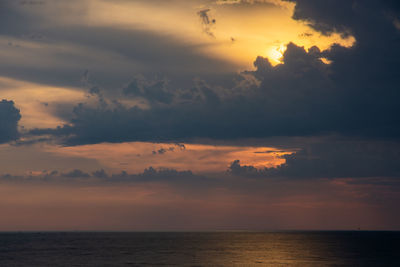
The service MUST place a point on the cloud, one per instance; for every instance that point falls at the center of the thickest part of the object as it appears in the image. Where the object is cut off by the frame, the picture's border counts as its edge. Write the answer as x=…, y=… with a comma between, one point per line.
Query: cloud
x=356, y=95
x=56, y=49
x=9, y=117
x=153, y=175
x=151, y=90
x=295, y=98
x=100, y=174
x=162, y=151
x=236, y=169
x=76, y=174
x=149, y=175
x=334, y=158
x=207, y=21
x=247, y=2
x=360, y=18
x=62, y=58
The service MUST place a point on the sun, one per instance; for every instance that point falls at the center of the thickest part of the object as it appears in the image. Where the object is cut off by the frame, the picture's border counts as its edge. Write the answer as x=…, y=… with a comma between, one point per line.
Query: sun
x=275, y=54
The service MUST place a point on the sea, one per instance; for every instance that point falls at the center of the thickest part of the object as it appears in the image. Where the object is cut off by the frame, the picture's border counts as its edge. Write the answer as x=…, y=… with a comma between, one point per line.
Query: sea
x=292, y=248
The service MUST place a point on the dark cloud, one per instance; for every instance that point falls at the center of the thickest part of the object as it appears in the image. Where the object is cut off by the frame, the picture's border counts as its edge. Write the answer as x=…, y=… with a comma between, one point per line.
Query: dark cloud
x=76, y=174
x=360, y=18
x=162, y=150
x=31, y=2
x=9, y=117
x=12, y=18
x=333, y=159
x=366, y=77
x=100, y=174
x=155, y=90
x=357, y=95
x=153, y=175
x=296, y=98
x=169, y=176
x=244, y=170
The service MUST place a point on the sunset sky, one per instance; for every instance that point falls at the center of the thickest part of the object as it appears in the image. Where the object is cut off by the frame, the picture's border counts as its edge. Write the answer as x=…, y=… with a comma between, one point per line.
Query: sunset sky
x=137, y=115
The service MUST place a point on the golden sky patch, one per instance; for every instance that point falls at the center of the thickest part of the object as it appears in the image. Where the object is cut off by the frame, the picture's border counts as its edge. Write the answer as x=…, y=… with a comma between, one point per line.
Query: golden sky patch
x=134, y=157
x=35, y=101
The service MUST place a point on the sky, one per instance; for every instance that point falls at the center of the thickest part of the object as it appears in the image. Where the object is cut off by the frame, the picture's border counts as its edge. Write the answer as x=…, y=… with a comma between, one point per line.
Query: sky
x=177, y=115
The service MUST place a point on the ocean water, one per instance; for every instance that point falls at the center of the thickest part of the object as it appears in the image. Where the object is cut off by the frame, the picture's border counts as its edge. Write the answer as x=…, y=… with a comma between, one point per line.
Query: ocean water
x=356, y=248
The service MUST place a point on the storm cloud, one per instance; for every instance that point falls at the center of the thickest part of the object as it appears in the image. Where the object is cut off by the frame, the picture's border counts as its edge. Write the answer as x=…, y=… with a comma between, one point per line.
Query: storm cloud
x=332, y=158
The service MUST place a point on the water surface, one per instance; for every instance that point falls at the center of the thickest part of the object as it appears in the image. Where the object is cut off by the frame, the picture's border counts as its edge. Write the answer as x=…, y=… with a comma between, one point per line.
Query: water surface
x=356, y=248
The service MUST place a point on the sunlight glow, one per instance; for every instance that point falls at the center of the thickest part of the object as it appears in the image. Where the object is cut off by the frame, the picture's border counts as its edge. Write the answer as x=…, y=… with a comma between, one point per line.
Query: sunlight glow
x=236, y=36
x=275, y=54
